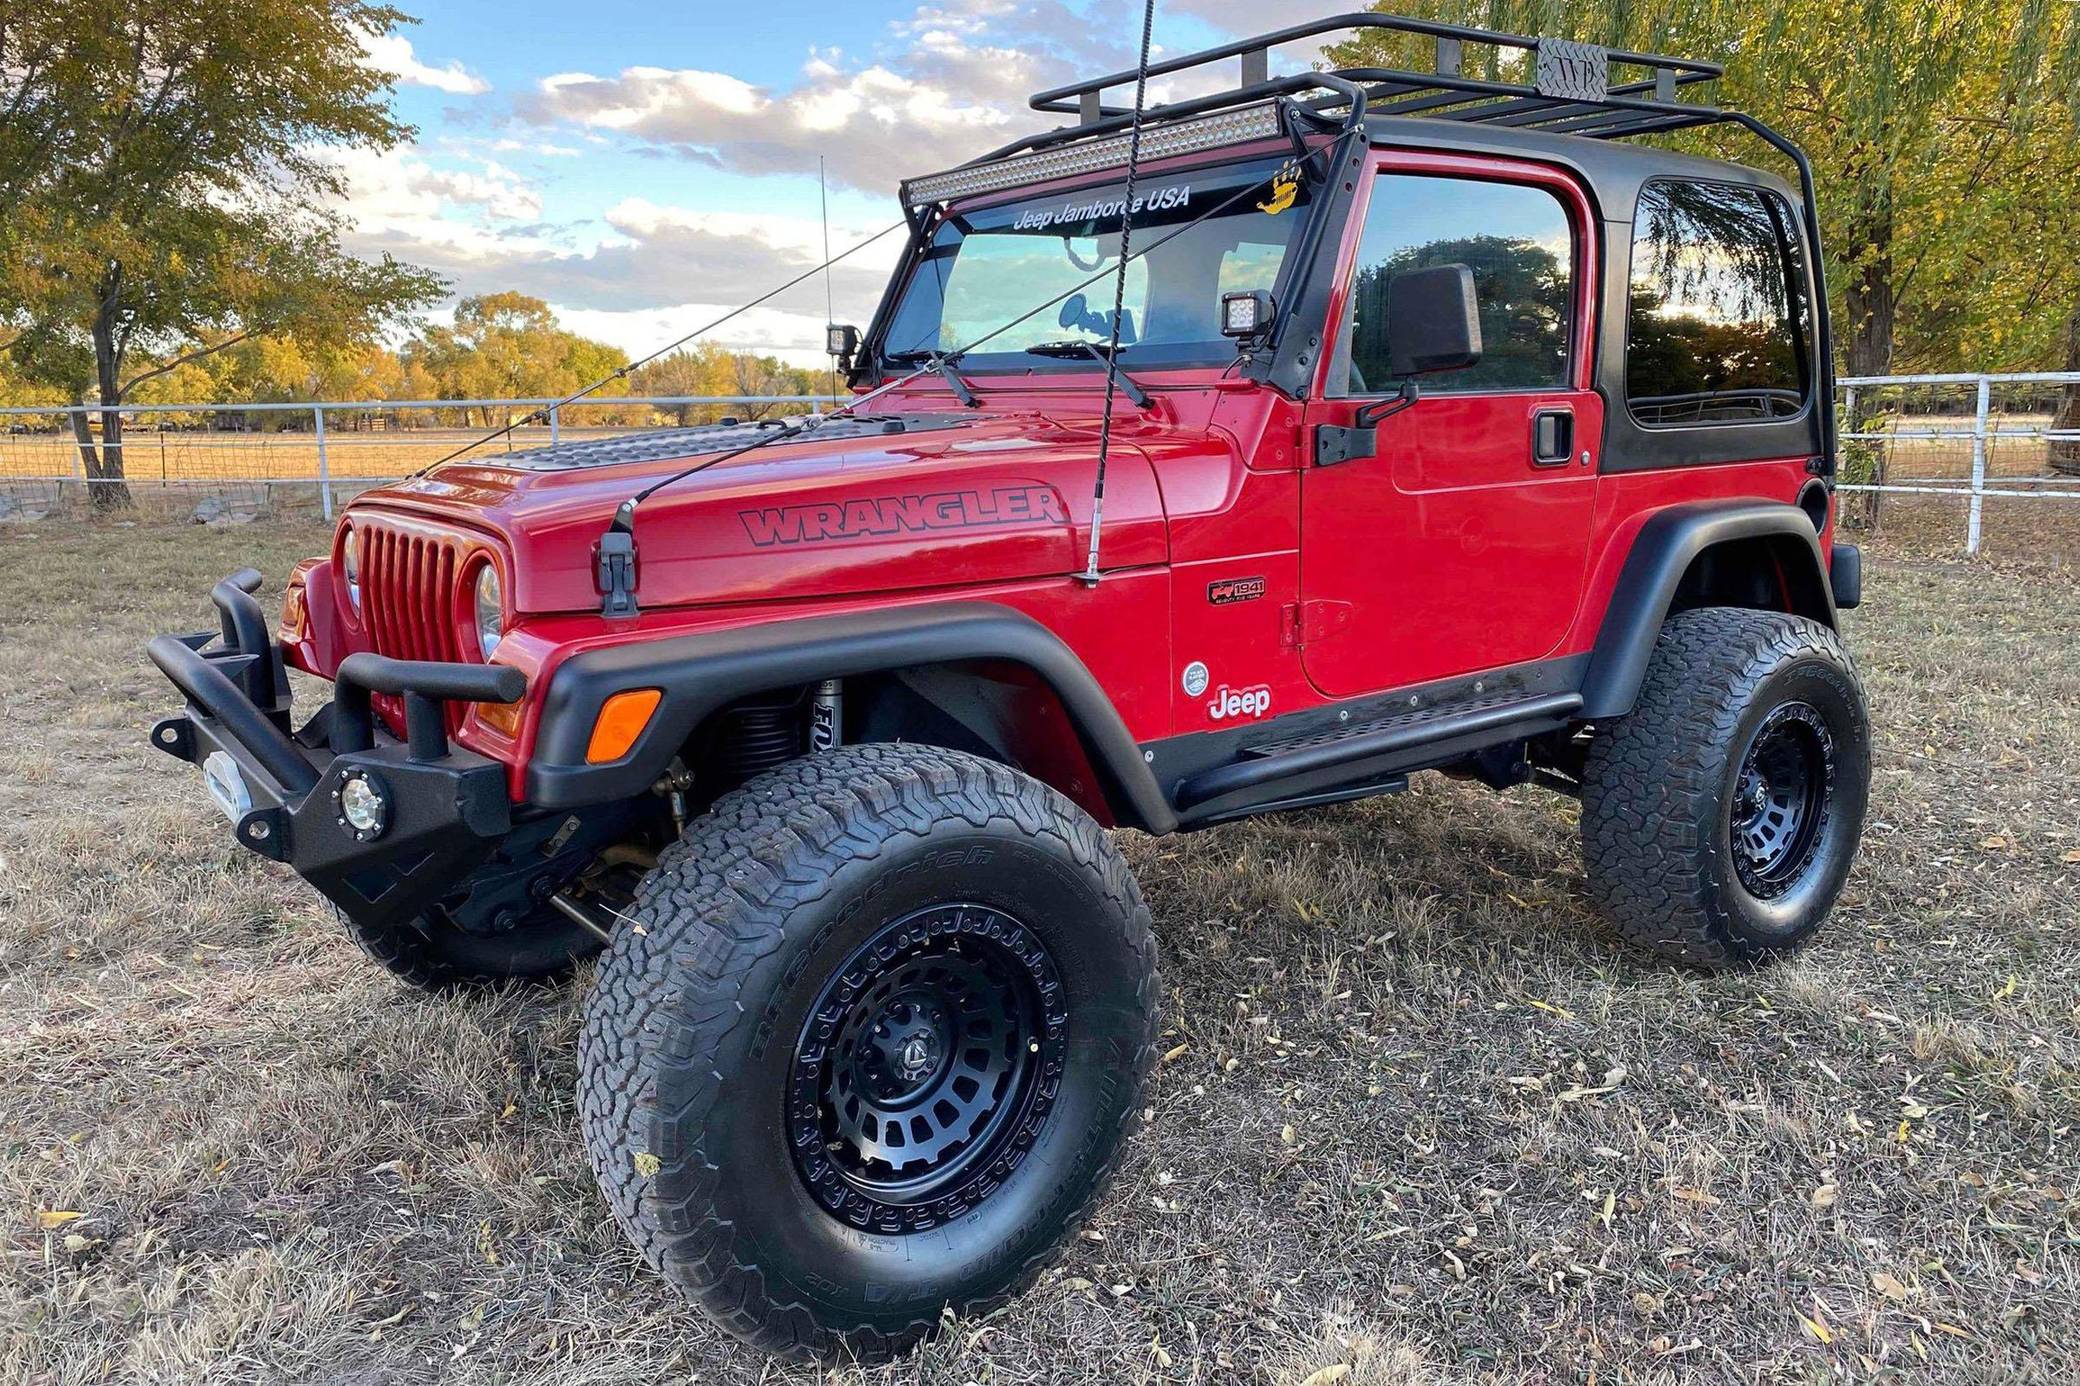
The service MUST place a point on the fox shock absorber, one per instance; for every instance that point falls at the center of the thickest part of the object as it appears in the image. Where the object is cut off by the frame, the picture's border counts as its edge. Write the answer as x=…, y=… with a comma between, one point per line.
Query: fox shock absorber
x=827, y=716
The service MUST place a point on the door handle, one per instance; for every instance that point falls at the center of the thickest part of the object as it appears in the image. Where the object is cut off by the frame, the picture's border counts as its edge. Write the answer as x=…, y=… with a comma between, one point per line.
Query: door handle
x=1552, y=437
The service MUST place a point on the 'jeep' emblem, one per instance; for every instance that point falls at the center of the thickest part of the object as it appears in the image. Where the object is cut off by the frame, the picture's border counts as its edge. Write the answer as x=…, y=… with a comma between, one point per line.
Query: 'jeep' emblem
x=1239, y=702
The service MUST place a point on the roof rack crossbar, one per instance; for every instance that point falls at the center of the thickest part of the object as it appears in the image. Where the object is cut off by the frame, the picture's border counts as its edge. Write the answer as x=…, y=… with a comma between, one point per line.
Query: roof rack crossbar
x=1450, y=44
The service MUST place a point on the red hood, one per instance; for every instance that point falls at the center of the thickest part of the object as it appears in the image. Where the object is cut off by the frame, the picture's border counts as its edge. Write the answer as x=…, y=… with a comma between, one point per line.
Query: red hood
x=951, y=501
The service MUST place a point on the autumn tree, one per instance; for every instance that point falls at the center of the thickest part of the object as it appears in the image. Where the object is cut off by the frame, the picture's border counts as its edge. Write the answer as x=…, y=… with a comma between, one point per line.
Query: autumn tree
x=1922, y=119
x=167, y=192
x=508, y=346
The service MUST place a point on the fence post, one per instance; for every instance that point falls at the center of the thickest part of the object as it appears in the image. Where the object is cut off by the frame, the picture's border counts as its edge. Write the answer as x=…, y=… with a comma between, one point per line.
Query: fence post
x=324, y=467
x=1971, y=535
x=555, y=425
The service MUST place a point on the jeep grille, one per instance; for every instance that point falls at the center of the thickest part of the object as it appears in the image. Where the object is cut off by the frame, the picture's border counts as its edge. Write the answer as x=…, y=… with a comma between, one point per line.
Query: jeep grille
x=409, y=602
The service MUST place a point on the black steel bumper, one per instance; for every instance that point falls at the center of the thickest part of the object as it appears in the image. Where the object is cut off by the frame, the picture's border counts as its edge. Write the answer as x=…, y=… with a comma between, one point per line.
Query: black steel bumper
x=447, y=808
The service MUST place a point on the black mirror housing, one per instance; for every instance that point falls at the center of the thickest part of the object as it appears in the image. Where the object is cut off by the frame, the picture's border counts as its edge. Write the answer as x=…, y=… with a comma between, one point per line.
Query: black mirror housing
x=1433, y=321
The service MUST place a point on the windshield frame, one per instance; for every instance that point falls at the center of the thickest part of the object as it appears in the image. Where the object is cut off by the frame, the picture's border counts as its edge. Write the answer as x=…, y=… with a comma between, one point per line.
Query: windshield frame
x=1214, y=354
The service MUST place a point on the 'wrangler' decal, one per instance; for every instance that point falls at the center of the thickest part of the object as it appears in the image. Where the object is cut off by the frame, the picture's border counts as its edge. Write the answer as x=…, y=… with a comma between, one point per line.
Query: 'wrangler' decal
x=816, y=524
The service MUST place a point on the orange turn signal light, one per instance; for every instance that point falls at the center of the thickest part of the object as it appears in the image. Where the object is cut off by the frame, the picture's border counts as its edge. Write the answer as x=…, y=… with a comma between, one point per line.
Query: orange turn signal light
x=503, y=718
x=621, y=720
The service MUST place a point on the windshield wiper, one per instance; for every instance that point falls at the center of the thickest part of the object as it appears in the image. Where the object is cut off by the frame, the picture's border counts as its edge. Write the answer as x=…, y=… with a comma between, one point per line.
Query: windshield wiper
x=1102, y=354
x=944, y=366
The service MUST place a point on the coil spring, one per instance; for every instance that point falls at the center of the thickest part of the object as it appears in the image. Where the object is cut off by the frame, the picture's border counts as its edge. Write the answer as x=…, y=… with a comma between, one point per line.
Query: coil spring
x=756, y=737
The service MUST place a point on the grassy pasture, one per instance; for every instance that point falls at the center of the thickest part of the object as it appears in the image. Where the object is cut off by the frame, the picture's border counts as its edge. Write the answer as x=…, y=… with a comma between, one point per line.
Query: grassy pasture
x=1422, y=1118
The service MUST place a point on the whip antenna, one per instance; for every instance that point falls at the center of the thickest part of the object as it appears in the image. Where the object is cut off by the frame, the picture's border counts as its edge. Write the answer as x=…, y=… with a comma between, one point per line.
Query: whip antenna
x=830, y=311
x=1089, y=576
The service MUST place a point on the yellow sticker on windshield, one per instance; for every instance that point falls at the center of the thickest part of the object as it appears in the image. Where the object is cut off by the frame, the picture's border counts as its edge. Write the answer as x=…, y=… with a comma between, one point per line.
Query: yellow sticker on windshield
x=1285, y=187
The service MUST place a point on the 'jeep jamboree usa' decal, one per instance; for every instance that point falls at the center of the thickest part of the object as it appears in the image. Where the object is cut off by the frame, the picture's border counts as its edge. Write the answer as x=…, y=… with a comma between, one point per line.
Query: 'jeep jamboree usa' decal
x=912, y=514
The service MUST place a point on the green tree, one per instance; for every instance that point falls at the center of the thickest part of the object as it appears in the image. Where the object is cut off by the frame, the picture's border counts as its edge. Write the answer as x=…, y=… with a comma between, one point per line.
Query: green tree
x=508, y=346
x=1923, y=119
x=166, y=192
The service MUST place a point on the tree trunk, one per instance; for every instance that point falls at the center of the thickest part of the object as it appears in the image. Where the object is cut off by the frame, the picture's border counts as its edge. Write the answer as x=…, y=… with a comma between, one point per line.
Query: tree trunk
x=2065, y=452
x=105, y=484
x=1873, y=310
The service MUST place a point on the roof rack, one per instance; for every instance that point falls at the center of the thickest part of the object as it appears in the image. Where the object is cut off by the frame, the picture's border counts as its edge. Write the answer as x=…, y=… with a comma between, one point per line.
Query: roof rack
x=1570, y=91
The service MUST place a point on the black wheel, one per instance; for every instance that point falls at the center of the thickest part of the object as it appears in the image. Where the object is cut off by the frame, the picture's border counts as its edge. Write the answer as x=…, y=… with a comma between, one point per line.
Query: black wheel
x=433, y=954
x=1721, y=815
x=871, y=1047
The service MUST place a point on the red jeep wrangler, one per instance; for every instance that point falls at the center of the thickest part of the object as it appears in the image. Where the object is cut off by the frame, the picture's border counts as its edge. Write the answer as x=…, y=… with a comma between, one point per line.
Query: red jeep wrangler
x=1453, y=431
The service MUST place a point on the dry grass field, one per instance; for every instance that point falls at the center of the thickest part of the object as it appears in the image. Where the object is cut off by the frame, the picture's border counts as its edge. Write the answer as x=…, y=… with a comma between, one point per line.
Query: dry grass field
x=1422, y=1119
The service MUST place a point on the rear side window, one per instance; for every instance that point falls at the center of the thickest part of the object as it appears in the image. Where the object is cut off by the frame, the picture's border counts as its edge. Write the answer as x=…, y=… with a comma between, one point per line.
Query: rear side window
x=1717, y=328
x=1519, y=244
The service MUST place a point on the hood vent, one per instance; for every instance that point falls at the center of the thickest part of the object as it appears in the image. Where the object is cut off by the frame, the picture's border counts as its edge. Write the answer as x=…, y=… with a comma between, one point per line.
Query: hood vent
x=669, y=443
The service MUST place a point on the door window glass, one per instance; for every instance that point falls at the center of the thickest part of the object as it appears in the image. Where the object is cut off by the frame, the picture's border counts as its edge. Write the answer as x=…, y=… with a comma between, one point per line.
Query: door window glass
x=1717, y=326
x=1518, y=242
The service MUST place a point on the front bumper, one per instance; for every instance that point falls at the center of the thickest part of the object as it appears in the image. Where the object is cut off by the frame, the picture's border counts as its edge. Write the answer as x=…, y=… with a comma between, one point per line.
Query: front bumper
x=447, y=808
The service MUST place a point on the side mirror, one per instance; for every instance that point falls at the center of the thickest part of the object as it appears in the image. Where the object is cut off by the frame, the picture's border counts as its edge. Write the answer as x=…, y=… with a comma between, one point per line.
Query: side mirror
x=1433, y=321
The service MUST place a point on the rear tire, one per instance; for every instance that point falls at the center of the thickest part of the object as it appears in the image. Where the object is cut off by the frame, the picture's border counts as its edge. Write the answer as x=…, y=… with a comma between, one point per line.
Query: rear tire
x=775, y=1068
x=1720, y=817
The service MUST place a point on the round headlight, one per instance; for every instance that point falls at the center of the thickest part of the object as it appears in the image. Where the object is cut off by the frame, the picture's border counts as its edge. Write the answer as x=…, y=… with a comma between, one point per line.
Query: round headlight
x=491, y=610
x=350, y=561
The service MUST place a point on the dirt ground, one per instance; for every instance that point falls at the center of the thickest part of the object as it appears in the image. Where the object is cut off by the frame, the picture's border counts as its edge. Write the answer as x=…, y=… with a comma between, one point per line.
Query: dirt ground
x=1423, y=1120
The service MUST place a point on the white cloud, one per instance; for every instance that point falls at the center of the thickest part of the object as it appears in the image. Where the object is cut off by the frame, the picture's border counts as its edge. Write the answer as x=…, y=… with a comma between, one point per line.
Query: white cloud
x=392, y=53
x=400, y=194
x=953, y=85
x=478, y=226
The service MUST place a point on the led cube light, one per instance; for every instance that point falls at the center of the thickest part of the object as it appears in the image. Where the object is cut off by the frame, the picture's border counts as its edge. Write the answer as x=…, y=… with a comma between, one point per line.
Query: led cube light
x=1246, y=314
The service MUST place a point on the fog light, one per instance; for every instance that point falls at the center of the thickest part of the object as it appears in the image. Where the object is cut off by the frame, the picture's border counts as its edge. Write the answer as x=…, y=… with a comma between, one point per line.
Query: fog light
x=364, y=809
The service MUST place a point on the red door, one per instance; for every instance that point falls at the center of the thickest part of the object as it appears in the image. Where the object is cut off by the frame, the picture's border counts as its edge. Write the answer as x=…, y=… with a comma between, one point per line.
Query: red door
x=1461, y=544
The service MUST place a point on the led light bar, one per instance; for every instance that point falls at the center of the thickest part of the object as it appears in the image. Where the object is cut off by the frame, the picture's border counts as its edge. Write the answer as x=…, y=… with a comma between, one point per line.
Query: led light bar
x=1157, y=142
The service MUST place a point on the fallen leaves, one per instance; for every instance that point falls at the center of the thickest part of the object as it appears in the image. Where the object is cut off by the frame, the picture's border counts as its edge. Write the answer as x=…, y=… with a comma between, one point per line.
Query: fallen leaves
x=50, y=1220
x=647, y=1164
x=1612, y=1081
x=1327, y=1375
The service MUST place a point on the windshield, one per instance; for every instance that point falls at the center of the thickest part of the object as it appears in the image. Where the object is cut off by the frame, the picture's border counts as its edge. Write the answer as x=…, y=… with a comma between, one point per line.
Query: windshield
x=987, y=267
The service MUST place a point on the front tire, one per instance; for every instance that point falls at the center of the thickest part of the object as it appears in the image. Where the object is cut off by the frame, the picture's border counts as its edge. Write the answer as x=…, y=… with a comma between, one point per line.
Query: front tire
x=869, y=1047
x=1720, y=817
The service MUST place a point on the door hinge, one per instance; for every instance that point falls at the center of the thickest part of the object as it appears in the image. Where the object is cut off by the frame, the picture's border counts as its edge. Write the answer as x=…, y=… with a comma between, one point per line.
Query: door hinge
x=1305, y=623
x=1334, y=443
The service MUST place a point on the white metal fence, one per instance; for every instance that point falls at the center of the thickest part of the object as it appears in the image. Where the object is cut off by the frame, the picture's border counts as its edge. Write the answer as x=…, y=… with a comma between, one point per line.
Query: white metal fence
x=1970, y=439
x=281, y=455
x=1974, y=438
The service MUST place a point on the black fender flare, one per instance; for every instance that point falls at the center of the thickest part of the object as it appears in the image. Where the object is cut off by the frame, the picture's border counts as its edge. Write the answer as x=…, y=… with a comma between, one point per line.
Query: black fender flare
x=702, y=672
x=1662, y=552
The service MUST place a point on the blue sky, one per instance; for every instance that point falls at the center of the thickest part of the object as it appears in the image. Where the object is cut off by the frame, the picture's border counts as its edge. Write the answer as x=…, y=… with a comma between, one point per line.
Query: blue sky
x=643, y=166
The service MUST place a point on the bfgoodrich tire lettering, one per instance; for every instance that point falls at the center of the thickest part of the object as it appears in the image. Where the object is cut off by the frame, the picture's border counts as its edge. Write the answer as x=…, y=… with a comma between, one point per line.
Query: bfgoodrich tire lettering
x=689, y=1050
x=1669, y=786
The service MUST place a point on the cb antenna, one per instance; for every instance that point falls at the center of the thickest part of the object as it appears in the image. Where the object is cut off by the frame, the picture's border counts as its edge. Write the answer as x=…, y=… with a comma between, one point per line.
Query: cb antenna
x=1089, y=576
x=830, y=311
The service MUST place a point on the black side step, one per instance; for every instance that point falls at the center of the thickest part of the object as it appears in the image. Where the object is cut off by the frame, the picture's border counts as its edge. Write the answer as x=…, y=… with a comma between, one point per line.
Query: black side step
x=1492, y=720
